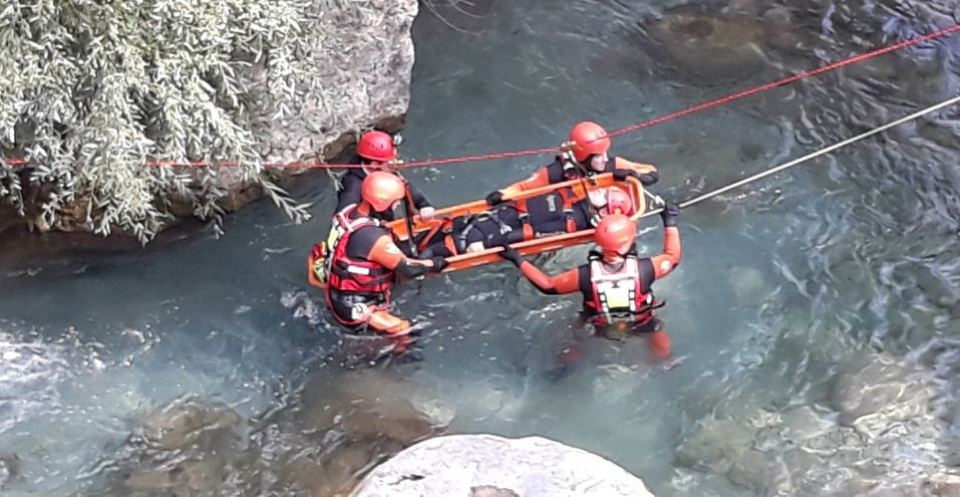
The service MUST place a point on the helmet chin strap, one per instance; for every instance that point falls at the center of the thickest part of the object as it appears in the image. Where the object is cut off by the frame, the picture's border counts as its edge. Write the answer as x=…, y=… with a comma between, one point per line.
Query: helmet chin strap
x=570, y=161
x=367, y=209
x=614, y=258
x=617, y=253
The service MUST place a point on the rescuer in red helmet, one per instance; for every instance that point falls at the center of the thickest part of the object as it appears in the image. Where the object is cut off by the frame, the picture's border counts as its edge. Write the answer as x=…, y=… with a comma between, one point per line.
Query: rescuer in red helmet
x=363, y=262
x=374, y=150
x=615, y=283
x=585, y=155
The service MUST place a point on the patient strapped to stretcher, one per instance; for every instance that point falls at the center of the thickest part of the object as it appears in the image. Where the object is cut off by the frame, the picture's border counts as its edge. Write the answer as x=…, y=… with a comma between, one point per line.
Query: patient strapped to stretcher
x=535, y=217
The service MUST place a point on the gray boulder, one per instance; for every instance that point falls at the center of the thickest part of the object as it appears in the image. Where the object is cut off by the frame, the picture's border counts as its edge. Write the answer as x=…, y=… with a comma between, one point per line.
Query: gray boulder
x=873, y=395
x=491, y=466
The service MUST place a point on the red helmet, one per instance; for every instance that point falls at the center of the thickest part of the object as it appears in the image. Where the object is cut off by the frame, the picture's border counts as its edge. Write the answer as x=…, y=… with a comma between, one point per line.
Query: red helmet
x=615, y=233
x=589, y=139
x=378, y=146
x=381, y=189
x=619, y=202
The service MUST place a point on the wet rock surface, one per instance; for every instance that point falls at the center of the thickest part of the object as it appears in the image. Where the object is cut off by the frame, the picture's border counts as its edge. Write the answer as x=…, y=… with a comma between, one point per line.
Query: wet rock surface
x=491, y=466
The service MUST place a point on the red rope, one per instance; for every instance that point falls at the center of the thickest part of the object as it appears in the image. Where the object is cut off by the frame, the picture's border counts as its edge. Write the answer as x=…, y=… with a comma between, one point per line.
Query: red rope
x=482, y=157
x=788, y=80
x=316, y=164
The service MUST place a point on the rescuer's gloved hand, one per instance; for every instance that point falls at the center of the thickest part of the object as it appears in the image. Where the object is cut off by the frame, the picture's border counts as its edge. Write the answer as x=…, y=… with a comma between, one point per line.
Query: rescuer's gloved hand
x=670, y=213
x=623, y=174
x=495, y=198
x=439, y=264
x=648, y=179
x=511, y=255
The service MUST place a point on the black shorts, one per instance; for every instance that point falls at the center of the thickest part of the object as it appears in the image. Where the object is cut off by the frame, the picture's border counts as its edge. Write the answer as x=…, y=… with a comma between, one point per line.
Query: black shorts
x=343, y=303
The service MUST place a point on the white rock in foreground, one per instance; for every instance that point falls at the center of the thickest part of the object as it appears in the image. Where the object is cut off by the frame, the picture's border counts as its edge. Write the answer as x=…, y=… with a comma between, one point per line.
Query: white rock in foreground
x=491, y=466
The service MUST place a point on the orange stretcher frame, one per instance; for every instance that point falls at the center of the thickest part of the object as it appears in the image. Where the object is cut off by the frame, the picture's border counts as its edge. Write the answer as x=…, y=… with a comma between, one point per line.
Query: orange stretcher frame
x=580, y=187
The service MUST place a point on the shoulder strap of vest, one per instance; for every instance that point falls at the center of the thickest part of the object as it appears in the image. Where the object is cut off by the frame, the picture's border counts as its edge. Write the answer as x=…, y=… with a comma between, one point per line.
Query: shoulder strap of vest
x=632, y=264
x=557, y=170
x=345, y=220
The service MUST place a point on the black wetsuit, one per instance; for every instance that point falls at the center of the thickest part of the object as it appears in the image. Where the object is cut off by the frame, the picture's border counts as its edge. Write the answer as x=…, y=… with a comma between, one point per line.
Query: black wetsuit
x=559, y=170
x=352, y=185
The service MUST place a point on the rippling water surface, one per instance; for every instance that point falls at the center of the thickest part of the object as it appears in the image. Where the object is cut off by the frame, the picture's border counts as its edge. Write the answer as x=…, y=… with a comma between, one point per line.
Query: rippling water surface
x=111, y=361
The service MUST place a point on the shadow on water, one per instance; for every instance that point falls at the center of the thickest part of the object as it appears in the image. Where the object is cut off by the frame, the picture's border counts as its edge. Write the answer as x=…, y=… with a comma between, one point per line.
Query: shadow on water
x=201, y=367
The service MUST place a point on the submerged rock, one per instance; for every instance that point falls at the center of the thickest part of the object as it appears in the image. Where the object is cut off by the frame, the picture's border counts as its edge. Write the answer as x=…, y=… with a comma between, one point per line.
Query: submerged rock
x=714, y=446
x=871, y=396
x=338, y=427
x=750, y=285
x=184, y=448
x=707, y=46
x=491, y=466
x=187, y=423
x=9, y=468
x=877, y=409
x=348, y=423
x=370, y=403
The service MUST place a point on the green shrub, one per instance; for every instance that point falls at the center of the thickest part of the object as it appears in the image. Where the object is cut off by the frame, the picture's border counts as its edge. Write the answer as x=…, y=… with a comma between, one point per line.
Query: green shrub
x=91, y=90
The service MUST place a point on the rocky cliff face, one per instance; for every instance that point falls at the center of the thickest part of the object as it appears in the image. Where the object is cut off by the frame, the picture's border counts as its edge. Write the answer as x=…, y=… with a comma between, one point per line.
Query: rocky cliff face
x=365, y=74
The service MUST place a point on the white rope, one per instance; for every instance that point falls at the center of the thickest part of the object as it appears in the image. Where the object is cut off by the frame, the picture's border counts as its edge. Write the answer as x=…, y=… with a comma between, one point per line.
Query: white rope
x=814, y=155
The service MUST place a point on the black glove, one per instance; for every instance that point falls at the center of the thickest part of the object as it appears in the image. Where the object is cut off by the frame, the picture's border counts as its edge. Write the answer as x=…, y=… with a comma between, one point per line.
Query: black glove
x=439, y=263
x=622, y=174
x=650, y=178
x=670, y=213
x=495, y=198
x=511, y=255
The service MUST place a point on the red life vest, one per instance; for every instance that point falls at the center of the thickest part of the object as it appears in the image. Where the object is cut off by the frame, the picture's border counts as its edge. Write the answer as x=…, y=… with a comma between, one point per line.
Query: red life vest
x=620, y=292
x=347, y=274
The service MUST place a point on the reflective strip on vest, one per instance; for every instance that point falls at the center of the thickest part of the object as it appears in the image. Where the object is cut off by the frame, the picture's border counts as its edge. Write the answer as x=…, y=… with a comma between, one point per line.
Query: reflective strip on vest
x=619, y=291
x=357, y=270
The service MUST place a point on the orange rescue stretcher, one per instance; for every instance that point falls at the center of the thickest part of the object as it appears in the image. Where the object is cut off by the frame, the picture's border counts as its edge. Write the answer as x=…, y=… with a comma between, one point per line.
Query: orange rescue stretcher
x=580, y=189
